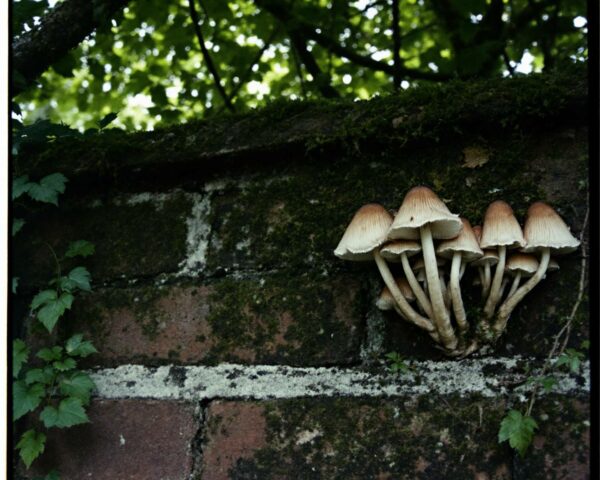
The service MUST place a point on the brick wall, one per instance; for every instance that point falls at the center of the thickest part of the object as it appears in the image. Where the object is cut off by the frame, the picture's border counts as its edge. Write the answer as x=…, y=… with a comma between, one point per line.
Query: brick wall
x=233, y=344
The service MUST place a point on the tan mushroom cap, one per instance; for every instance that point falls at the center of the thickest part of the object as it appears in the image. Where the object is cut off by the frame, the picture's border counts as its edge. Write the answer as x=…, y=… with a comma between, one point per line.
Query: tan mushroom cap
x=393, y=250
x=466, y=244
x=386, y=300
x=366, y=232
x=544, y=228
x=553, y=266
x=422, y=206
x=489, y=256
x=522, y=262
x=500, y=227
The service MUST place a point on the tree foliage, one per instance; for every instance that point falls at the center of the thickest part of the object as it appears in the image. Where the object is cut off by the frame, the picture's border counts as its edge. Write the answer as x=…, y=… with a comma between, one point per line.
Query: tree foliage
x=146, y=63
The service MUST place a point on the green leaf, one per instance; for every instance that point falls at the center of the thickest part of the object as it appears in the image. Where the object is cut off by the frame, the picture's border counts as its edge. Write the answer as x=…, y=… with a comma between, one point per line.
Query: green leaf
x=77, y=347
x=15, y=284
x=20, y=186
x=31, y=446
x=19, y=355
x=70, y=412
x=40, y=375
x=81, y=248
x=53, y=309
x=106, y=120
x=548, y=383
x=50, y=354
x=65, y=365
x=80, y=278
x=17, y=225
x=42, y=298
x=570, y=358
x=518, y=430
x=48, y=189
x=26, y=398
x=78, y=385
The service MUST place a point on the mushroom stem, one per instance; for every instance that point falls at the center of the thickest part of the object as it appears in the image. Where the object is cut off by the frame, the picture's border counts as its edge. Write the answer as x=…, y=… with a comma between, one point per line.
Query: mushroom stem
x=440, y=315
x=487, y=279
x=509, y=305
x=445, y=293
x=463, y=267
x=515, y=285
x=482, y=281
x=457, y=303
x=494, y=295
x=414, y=284
x=404, y=306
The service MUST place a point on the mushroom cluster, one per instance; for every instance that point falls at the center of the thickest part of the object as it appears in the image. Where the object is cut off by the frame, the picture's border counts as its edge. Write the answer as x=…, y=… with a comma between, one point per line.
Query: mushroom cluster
x=434, y=247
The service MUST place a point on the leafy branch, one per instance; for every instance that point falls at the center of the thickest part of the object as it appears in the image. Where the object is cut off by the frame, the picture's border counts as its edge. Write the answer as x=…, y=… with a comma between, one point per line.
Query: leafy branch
x=519, y=428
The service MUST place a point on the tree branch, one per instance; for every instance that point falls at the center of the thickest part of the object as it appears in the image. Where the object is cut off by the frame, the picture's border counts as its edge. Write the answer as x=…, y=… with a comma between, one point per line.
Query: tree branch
x=61, y=29
x=207, y=58
x=280, y=11
x=396, y=40
x=321, y=80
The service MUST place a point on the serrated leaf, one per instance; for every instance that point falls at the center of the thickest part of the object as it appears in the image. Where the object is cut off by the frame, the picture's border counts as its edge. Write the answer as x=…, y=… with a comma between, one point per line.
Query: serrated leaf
x=17, y=225
x=81, y=248
x=78, y=385
x=30, y=446
x=20, y=186
x=19, y=355
x=548, y=383
x=65, y=365
x=43, y=297
x=39, y=375
x=81, y=278
x=26, y=398
x=53, y=310
x=48, y=189
x=106, y=120
x=50, y=354
x=70, y=412
x=518, y=430
x=78, y=347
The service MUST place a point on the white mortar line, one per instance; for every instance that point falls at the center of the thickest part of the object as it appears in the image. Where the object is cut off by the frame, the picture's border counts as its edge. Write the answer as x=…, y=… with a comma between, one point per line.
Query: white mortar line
x=268, y=381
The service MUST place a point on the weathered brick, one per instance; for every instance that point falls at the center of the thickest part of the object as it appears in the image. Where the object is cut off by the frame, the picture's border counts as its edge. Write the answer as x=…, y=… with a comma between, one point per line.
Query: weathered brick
x=279, y=319
x=400, y=438
x=125, y=439
x=355, y=438
x=145, y=237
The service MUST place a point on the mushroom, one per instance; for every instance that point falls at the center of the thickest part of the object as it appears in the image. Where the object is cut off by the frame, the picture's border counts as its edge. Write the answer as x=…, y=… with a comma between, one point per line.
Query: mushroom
x=545, y=232
x=500, y=229
x=423, y=215
x=386, y=300
x=461, y=250
x=403, y=249
x=520, y=265
x=361, y=241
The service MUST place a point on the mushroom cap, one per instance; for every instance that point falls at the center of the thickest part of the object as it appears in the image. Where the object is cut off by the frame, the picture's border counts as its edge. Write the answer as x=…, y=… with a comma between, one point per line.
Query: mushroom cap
x=544, y=228
x=553, y=266
x=489, y=256
x=500, y=227
x=422, y=206
x=366, y=232
x=393, y=250
x=522, y=262
x=466, y=243
x=386, y=300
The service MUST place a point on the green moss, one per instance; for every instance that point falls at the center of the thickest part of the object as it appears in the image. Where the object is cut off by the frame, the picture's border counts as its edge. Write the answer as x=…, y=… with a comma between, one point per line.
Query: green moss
x=432, y=437
x=427, y=113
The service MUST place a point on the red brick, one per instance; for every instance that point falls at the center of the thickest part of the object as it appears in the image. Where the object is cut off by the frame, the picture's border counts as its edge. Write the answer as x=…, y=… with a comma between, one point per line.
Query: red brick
x=246, y=321
x=125, y=440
